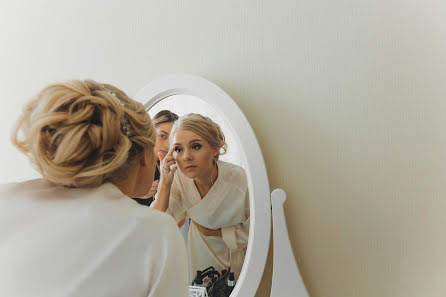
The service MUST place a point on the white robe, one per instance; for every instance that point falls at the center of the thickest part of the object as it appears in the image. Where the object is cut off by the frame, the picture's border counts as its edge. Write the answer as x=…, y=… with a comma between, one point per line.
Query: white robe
x=225, y=206
x=63, y=242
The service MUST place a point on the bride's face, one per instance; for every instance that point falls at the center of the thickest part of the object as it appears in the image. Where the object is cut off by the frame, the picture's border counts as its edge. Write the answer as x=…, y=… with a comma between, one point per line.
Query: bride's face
x=193, y=154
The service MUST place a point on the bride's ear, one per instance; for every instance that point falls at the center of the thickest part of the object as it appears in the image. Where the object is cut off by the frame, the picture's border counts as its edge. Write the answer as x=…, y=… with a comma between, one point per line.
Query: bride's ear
x=216, y=151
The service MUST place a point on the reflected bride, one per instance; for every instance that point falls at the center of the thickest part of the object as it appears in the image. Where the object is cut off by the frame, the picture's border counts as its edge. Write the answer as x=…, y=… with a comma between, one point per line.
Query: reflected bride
x=212, y=194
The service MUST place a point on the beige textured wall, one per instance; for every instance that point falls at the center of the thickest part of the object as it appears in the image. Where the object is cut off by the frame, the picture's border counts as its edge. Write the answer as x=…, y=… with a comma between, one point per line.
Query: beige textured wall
x=347, y=99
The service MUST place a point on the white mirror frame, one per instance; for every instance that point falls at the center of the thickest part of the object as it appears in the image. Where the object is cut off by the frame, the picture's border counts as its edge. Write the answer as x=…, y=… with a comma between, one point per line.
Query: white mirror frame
x=258, y=185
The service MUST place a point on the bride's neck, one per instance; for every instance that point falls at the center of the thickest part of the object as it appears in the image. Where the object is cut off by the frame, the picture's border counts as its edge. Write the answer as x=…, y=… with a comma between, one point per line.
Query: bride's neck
x=205, y=183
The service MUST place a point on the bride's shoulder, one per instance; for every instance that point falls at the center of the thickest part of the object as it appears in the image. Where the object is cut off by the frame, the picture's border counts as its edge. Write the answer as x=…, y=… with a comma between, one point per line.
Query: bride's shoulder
x=232, y=173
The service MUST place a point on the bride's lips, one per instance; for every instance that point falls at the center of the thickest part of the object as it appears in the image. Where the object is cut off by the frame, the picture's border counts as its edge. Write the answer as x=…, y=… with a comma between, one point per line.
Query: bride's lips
x=190, y=167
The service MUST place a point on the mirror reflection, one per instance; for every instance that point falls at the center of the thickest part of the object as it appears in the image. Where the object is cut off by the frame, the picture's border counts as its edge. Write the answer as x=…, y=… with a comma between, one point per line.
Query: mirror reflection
x=201, y=182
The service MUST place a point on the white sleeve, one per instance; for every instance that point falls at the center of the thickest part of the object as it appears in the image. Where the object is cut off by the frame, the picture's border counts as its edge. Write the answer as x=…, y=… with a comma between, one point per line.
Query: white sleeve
x=236, y=237
x=175, y=208
x=172, y=272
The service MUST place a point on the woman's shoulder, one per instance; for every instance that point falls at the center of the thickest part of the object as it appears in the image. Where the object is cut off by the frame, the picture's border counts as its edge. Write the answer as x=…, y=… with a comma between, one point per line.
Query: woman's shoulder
x=146, y=213
x=155, y=221
x=124, y=206
x=26, y=188
x=232, y=173
x=103, y=201
x=231, y=168
x=38, y=182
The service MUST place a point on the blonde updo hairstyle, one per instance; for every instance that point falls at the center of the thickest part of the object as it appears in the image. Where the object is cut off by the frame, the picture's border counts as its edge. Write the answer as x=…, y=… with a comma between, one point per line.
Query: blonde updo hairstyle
x=83, y=133
x=205, y=128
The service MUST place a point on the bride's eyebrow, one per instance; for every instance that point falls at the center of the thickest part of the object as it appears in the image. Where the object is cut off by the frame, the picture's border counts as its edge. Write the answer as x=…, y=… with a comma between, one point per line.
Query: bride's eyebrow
x=193, y=140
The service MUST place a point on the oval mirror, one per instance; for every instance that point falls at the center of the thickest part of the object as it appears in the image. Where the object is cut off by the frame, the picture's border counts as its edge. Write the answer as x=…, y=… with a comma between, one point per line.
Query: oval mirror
x=183, y=94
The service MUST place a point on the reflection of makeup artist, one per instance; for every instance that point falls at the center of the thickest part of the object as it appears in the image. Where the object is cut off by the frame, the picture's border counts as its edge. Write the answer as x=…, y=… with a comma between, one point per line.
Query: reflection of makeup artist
x=76, y=232
x=163, y=122
x=212, y=193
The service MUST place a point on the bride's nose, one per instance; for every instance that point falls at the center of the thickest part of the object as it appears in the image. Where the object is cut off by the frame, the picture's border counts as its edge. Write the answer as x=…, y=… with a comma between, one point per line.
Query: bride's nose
x=187, y=155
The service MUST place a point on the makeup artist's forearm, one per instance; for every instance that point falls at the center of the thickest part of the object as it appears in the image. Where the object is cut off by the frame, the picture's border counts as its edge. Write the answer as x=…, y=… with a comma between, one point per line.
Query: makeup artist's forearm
x=162, y=199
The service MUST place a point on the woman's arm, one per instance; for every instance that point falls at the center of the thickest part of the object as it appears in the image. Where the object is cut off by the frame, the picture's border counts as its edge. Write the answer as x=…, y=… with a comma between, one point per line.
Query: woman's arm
x=162, y=199
x=237, y=236
x=169, y=265
x=168, y=167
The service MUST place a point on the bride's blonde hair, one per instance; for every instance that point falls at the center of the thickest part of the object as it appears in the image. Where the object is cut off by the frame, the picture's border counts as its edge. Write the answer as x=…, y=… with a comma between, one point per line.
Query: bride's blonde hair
x=83, y=133
x=204, y=127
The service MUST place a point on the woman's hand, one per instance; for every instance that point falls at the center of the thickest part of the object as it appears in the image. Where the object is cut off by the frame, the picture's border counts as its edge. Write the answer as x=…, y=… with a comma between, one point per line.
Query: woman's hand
x=206, y=231
x=168, y=167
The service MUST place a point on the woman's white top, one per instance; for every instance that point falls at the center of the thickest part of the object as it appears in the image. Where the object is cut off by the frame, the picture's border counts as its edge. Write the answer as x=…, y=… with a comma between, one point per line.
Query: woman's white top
x=62, y=242
x=225, y=206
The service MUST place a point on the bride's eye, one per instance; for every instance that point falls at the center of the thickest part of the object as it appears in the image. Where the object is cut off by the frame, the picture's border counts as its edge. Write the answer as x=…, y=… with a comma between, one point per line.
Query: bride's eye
x=178, y=149
x=196, y=146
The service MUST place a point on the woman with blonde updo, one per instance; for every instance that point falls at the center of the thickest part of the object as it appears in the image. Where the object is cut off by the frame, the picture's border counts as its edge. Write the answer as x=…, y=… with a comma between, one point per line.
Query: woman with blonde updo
x=213, y=194
x=76, y=232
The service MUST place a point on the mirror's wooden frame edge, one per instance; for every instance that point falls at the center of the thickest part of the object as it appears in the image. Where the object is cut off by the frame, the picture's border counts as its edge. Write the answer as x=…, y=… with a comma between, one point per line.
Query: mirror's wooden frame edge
x=258, y=185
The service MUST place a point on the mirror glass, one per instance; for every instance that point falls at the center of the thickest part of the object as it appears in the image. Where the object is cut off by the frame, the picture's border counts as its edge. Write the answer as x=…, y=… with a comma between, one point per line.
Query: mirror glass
x=222, y=205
